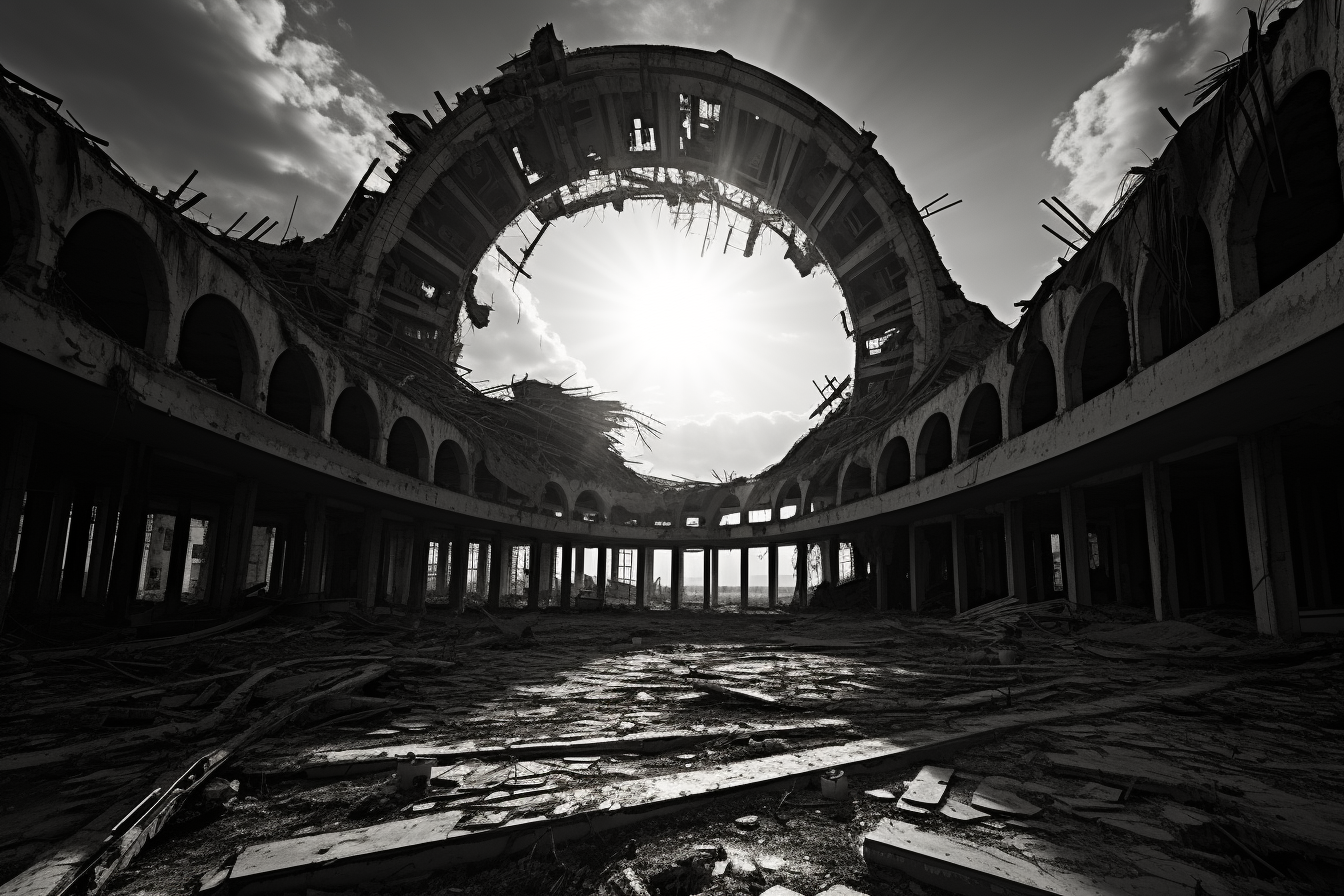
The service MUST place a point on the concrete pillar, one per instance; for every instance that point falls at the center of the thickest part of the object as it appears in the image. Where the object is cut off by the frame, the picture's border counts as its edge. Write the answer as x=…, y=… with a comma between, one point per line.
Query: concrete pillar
x=600, y=588
x=711, y=577
x=482, y=568
x=566, y=575
x=960, y=581
x=76, y=547
x=535, y=555
x=830, y=560
x=57, y=530
x=18, y=458
x=100, y=548
x=457, y=572
x=314, y=547
x=415, y=592
x=1077, y=571
x=678, y=559
x=800, y=573
x=499, y=561
x=744, y=578
x=296, y=549
x=1157, y=516
x=275, y=574
x=580, y=568
x=124, y=578
x=772, y=575
x=1015, y=550
x=643, y=561
x=919, y=579
x=1264, y=507
x=177, y=558
x=370, y=559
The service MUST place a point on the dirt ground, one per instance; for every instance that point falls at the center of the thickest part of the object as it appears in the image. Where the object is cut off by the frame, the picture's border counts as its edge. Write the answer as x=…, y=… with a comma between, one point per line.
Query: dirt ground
x=1253, y=767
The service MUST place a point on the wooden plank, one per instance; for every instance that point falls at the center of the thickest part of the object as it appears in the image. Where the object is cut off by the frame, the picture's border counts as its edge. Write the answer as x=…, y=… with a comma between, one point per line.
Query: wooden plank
x=993, y=795
x=965, y=869
x=312, y=859
x=929, y=786
x=150, y=643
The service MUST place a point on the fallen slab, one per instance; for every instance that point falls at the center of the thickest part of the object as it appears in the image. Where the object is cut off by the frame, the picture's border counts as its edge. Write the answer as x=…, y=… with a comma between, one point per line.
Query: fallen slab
x=957, y=867
x=589, y=811
x=346, y=763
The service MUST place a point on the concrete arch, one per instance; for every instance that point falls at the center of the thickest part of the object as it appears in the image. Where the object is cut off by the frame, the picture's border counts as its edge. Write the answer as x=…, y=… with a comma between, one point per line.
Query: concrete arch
x=294, y=392
x=486, y=485
x=622, y=517
x=554, y=118
x=1033, y=393
x=981, y=425
x=790, y=495
x=590, y=507
x=893, y=465
x=451, y=469
x=18, y=206
x=1097, y=355
x=856, y=481
x=354, y=422
x=934, y=449
x=408, y=449
x=109, y=271
x=1170, y=315
x=726, y=505
x=216, y=344
x=554, y=501
x=1272, y=232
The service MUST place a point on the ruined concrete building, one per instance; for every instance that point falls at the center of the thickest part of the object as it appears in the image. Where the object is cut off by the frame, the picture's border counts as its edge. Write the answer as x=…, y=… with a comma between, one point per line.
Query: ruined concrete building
x=205, y=438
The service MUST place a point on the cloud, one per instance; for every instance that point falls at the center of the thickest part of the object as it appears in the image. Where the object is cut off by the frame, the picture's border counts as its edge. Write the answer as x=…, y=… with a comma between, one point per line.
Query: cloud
x=520, y=340
x=660, y=20
x=239, y=89
x=695, y=447
x=1115, y=121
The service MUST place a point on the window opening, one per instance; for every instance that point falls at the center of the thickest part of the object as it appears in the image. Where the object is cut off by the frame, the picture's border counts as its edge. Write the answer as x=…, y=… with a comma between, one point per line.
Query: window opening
x=1057, y=561
x=845, y=572
x=642, y=138
x=625, y=567
x=759, y=516
x=731, y=519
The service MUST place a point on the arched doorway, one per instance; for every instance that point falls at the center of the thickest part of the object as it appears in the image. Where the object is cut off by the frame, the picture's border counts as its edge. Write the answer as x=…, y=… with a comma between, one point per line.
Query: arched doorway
x=981, y=426
x=1098, y=345
x=217, y=346
x=894, y=468
x=589, y=507
x=857, y=482
x=354, y=422
x=935, y=446
x=109, y=272
x=294, y=392
x=450, y=466
x=1033, y=395
x=407, y=448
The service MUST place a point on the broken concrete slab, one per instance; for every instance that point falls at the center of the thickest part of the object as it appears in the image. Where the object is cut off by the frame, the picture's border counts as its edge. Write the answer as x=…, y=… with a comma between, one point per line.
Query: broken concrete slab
x=993, y=795
x=928, y=787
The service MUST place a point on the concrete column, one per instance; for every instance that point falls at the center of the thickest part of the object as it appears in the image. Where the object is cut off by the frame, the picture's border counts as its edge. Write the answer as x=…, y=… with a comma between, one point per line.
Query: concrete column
x=296, y=549
x=643, y=558
x=534, y=571
x=129, y=549
x=314, y=547
x=32, y=558
x=800, y=573
x=370, y=559
x=678, y=558
x=482, y=568
x=830, y=560
x=600, y=589
x=100, y=548
x=57, y=530
x=275, y=575
x=1267, y=537
x=18, y=458
x=881, y=584
x=566, y=575
x=918, y=568
x=457, y=572
x=712, y=577
x=960, y=581
x=772, y=574
x=1015, y=550
x=415, y=592
x=498, y=563
x=1077, y=572
x=76, y=547
x=177, y=558
x=744, y=578
x=580, y=570
x=1157, y=516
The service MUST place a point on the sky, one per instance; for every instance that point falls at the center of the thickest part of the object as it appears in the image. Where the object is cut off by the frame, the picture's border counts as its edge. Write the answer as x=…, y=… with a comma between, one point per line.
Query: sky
x=998, y=104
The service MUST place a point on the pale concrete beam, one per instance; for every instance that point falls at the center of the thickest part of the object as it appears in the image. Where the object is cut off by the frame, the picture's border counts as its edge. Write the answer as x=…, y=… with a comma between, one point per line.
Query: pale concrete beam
x=960, y=584
x=1015, y=550
x=566, y=575
x=1157, y=516
x=772, y=575
x=498, y=563
x=1267, y=538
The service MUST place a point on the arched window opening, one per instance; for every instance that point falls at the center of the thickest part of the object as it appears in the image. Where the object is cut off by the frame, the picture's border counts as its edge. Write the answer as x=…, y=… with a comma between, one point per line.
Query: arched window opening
x=1099, y=344
x=294, y=393
x=935, y=446
x=109, y=273
x=857, y=484
x=981, y=422
x=407, y=448
x=1296, y=225
x=1034, y=397
x=1192, y=310
x=729, y=512
x=553, y=501
x=790, y=503
x=894, y=469
x=487, y=485
x=450, y=466
x=821, y=491
x=216, y=345
x=588, y=508
x=622, y=517
x=354, y=422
